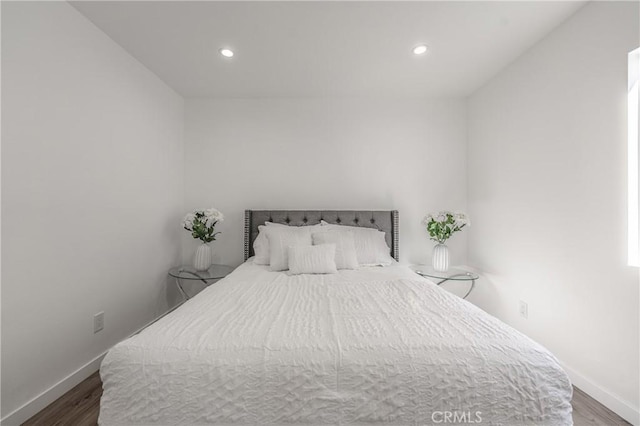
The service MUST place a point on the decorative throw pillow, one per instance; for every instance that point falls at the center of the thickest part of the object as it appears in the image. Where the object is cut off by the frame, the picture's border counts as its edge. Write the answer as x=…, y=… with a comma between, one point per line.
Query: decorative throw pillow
x=261, y=244
x=371, y=246
x=280, y=238
x=346, y=256
x=318, y=259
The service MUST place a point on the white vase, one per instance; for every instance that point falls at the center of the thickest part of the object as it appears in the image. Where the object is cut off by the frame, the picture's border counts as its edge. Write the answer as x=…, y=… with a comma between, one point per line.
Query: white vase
x=440, y=258
x=202, y=259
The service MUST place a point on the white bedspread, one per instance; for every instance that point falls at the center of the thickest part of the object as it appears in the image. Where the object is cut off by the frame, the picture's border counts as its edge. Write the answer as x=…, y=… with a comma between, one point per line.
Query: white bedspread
x=375, y=345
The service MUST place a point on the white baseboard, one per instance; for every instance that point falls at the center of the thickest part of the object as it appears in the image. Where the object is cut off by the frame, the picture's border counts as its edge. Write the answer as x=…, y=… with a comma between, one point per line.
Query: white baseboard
x=34, y=406
x=613, y=402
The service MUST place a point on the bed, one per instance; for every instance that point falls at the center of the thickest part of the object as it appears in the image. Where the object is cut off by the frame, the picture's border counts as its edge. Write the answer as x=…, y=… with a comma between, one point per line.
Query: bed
x=372, y=345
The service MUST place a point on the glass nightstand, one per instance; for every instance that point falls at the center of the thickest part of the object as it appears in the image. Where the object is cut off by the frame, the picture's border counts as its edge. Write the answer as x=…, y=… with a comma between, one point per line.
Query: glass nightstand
x=452, y=274
x=208, y=277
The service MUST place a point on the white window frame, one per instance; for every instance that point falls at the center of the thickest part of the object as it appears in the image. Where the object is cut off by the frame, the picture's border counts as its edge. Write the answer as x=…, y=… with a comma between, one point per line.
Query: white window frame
x=633, y=108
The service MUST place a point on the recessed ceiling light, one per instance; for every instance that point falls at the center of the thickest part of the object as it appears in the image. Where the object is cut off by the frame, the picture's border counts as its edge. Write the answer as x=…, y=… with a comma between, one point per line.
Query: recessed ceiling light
x=227, y=53
x=420, y=49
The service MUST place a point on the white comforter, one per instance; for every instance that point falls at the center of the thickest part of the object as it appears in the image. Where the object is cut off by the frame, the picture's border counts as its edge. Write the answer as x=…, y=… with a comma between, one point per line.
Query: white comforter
x=375, y=345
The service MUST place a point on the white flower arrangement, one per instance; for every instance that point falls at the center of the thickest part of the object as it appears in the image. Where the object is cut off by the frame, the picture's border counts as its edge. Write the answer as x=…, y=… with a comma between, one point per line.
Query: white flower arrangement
x=201, y=223
x=442, y=225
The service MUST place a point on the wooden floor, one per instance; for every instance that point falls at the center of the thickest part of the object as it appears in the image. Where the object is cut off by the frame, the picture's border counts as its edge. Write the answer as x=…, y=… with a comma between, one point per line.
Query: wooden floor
x=80, y=407
x=588, y=411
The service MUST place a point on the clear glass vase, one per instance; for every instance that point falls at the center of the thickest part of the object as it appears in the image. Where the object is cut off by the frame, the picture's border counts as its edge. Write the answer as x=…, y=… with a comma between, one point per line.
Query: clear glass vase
x=202, y=258
x=440, y=258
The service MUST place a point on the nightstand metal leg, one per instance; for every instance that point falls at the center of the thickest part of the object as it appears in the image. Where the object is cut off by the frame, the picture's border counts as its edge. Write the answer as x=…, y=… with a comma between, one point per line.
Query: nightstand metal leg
x=473, y=284
x=184, y=294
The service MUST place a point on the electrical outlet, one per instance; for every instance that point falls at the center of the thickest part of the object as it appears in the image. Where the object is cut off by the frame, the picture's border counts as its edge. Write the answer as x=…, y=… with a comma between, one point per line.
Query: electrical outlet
x=524, y=309
x=98, y=322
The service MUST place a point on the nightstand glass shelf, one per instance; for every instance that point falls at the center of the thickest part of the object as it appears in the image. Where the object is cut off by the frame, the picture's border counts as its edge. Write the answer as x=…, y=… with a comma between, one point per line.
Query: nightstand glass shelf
x=189, y=273
x=452, y=274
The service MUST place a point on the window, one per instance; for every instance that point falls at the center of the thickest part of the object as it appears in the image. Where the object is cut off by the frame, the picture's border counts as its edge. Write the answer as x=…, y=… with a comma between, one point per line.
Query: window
x=633, y=104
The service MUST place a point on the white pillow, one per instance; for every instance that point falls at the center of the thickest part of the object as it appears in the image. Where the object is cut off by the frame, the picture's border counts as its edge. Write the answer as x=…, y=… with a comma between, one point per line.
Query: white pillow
x=261, y=247
x=261, y=244
x=371, y=247
x=346, y=256
x=280, y=238
x=318, y=259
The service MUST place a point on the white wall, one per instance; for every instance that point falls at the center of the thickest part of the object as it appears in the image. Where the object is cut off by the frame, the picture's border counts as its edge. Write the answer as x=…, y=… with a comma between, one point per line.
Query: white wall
x=547, y=194
x=404, y=154
x=92, y=181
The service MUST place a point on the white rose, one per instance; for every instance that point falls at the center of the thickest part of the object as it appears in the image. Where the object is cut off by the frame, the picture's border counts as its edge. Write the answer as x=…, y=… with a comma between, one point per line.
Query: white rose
x=187, y=222
x=461, y=219
x=209, y=221
x=214, y=214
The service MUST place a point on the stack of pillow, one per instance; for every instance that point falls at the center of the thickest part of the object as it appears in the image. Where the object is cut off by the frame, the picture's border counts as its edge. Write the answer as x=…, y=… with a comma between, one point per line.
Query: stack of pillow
x=319, y=249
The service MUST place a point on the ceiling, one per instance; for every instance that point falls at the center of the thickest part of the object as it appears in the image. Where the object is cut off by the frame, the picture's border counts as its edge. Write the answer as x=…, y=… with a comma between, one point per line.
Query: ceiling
x=348, y=48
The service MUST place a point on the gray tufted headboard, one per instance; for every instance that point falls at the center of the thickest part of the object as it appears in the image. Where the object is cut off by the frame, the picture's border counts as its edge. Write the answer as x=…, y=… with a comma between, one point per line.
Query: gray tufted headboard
x=386, y=221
